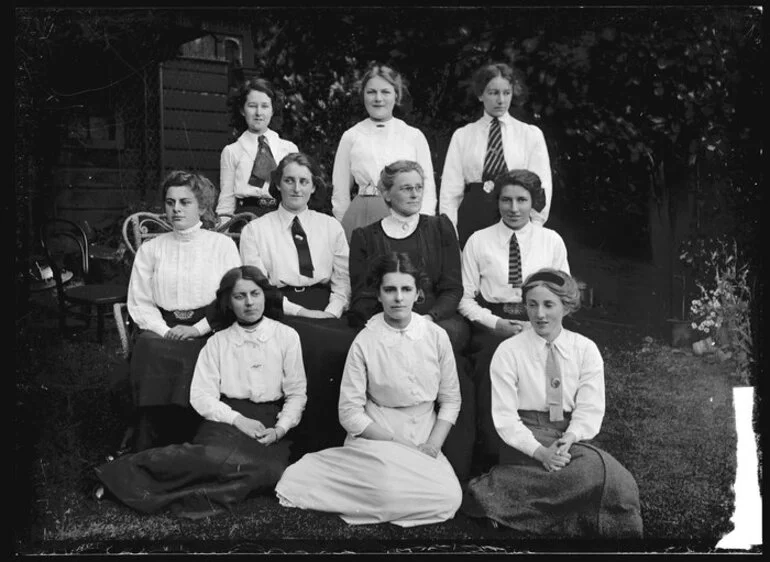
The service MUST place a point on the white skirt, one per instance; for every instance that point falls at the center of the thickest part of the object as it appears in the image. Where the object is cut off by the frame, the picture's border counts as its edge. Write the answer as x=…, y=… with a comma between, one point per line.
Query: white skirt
x=367, y=481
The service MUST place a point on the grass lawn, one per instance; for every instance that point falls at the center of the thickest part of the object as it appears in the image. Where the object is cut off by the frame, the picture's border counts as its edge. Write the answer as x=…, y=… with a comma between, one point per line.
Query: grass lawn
x=669, y=420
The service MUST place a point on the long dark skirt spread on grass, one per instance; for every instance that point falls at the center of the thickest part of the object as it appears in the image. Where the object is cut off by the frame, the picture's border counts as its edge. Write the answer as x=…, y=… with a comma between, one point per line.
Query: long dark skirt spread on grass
x=594, y=496
x=221, y=467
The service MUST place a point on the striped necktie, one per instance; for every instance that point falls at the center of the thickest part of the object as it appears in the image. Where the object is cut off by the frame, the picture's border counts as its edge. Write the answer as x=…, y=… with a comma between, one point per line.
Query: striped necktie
x=264, y=163
x=514, y=262
x=494, y=161
x=553, y=384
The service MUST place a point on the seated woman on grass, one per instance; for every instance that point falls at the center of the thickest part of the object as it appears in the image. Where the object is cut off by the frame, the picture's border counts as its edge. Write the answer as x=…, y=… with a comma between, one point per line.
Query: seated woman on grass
x=390, y=468
x=547, y=404
x=249, y=386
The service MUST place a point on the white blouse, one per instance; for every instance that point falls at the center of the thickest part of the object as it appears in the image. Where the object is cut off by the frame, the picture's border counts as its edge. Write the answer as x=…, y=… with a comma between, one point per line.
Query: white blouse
x=523, y=147
x=518, y=379
x=178, y=270
x=236, y=163
x=398, y=226
x=267, y=243
x=485, y=265
x=262, y=366
x=398, y=368
x=366, y=148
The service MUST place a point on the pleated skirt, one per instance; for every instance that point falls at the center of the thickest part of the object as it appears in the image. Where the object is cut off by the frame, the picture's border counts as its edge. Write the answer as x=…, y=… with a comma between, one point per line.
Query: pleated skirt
x=594, y=496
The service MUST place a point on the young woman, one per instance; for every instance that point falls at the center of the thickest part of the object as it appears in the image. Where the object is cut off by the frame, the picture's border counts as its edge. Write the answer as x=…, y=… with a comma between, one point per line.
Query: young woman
x=369, y=145
x=249, y=386
x=495, y=261
x=390, y=468
x=480, y=151
x=173, y=279
x=547, y=404
x=246, y=164
x=305, y=254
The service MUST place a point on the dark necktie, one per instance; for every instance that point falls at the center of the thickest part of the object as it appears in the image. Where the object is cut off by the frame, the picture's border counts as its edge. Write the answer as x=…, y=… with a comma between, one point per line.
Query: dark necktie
x=494, y=161
x=264, y=163
x=303, y=250
x=514, y=262
x=553, y=384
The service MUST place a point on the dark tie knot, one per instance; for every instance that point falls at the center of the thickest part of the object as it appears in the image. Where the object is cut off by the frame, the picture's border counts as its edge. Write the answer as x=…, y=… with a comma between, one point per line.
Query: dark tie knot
x=261, y=140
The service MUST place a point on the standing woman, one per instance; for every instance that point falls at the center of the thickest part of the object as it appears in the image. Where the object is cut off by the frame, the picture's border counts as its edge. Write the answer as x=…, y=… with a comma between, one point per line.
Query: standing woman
x=249, y=386
x=174, y=278
x=246, y=164
x=547, y=404
x=390, y=468
x=480, y=151
x=369, y=145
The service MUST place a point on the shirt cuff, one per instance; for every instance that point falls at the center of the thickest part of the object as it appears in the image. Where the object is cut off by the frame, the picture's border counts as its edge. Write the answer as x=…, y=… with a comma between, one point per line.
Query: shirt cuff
x=489, y=320
x=290, y=308
x=335, y=307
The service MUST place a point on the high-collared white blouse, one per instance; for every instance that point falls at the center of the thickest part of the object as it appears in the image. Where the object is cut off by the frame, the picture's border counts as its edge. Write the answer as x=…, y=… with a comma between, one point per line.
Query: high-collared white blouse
x=366, y=148
x=267, y=243
x=518, y=379
x=178, y=270
x=263, y=365
x=398, y=368
x=485, y=265
x=524, y=147
x=236, y=163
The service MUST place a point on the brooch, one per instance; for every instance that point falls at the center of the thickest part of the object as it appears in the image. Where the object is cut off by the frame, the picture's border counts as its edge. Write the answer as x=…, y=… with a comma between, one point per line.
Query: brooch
x=489, y=185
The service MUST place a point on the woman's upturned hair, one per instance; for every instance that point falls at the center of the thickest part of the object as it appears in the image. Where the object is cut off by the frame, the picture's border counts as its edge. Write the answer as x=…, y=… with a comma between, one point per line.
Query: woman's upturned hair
x=561, y=284
x=237, y=99
x=526, y=179
x=395, y=262
x=391, y=76
x=499, y=69
x=202, y=188
x=224, y=315
x=318, y=198
x=389, y=173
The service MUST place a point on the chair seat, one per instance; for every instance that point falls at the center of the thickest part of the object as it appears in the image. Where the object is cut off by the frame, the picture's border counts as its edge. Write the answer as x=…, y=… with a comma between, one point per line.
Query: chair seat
x=97, y=294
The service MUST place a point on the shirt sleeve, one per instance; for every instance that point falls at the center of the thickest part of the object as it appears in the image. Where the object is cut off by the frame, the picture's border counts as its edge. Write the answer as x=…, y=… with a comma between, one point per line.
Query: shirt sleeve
x=452, y=180
x=468, y=306
x=589, y=400
x=226, y=202
x=540, y=163
x=353, y=392
x=250, y=249
x=505, y=402
x=340, y=278
x=206, y=384
x=449, y=397
x=429, y=186
x=449, y=286
x=293, y=383
x=141, y=305
x=342, y=179
x=560, y=255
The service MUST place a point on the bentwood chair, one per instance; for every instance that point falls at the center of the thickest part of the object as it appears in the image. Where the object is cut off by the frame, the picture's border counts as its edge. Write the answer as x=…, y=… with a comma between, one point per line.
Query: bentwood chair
x=143, y=226
x=66, y=248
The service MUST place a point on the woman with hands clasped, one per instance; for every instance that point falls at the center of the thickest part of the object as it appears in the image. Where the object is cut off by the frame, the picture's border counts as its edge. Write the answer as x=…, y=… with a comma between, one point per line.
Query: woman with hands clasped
x=390, y=468
x=249, y=386
x=547, y=404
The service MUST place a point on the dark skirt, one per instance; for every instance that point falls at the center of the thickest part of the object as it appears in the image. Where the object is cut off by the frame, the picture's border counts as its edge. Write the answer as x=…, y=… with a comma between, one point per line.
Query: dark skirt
x=221, y=467
x=459, y=444
x=325, y=345
x=160, y=374
x=594, y=496
x=477, y=210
